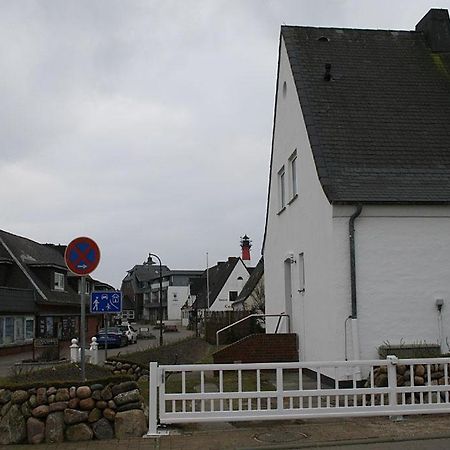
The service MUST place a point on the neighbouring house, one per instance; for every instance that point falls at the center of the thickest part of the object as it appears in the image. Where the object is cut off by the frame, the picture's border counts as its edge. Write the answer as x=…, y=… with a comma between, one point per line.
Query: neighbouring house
x=141, y=288
x=39, y=296
x=225, y=281
x=357, y=241
x=251, y=298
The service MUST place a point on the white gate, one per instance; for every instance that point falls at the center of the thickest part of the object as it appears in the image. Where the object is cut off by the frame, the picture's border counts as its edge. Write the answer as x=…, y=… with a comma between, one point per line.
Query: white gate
x=270, y=391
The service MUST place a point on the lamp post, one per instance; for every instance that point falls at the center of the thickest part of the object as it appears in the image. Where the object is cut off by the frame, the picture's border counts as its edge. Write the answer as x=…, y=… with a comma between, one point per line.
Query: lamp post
x=160, y=296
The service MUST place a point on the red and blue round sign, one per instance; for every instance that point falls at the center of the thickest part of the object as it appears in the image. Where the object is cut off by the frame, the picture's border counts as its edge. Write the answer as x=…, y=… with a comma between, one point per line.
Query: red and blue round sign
x=82, y=255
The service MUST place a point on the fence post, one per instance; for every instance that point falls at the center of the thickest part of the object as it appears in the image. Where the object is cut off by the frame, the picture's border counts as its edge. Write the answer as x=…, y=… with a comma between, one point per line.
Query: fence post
x=153, y=400
x=392, y=380
x=74, y=351
x=280, y=388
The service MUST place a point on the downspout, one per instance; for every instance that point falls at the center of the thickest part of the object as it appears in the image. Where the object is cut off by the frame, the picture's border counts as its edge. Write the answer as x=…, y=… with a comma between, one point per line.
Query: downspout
x=351, y=229
x=354, y=314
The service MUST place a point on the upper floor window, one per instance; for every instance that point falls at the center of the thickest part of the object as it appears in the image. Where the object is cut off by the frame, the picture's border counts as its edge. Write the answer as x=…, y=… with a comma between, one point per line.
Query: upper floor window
x=86, y=284
x=232, y=296
x=293, y=175
x=59, y=281
x=281, y=188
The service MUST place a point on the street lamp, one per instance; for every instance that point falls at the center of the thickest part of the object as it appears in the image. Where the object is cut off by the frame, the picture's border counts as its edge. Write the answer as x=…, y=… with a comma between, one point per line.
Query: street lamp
x=160, y=296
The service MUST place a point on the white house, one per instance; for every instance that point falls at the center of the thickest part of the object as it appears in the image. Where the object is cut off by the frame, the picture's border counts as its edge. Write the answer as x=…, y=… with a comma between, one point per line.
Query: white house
x=357, y=238
x=225, y=282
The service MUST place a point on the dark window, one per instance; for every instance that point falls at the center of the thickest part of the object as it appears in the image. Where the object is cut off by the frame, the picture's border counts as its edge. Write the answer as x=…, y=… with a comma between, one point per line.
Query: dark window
x=232, y=296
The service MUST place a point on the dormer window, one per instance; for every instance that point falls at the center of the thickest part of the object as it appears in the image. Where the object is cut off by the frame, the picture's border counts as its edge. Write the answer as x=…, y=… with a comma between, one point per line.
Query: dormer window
x=59, y=281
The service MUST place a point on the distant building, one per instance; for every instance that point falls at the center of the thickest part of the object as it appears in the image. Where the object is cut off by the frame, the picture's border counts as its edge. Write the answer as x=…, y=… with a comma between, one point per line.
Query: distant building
x=39, y=296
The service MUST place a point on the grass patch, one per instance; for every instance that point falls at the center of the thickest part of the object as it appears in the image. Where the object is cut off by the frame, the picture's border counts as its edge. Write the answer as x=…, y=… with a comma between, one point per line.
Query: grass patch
x=186, y=351
x=62, y=375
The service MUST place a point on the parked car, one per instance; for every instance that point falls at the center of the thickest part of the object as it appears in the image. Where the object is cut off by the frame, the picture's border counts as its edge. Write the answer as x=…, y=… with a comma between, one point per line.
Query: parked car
x=115, y=337
x=129, y=331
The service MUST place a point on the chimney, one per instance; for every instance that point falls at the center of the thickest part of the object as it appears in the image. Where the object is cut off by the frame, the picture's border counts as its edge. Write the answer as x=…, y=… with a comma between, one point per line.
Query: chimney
x=435, y=27
x=246, y=244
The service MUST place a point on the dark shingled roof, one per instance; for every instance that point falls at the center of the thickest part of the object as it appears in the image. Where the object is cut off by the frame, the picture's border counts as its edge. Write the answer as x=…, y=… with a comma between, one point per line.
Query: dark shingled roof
x=380, y=127
x=218, y=275
x=251, y=283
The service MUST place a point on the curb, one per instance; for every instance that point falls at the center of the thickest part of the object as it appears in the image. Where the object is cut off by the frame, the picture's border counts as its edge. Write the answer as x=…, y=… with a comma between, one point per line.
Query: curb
x=299, y=445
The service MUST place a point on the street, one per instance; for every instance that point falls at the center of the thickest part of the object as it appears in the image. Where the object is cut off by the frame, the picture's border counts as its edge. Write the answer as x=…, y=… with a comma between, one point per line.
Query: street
x=422, y=444
x=7, y=363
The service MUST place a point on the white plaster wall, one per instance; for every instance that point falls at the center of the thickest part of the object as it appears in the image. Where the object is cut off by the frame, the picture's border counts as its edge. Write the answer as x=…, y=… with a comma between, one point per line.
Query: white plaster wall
x=304, y=226
x=174, y=304
x=402, y=266
x=232, y=284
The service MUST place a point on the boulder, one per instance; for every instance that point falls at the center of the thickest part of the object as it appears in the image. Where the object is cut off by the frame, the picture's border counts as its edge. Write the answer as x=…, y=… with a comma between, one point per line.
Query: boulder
x=62, y=395
x=84, y=392
x=19, y=397
x=103, y=429
x=106, y=394
x=54, y=428
x=101, y=404
x=5, y=396
x=72, y=416
x=97, y=387
x=96, y=395
x=73, y=392
x=127, y=397
x=112, y=405
x=109, y=414
x=94, y=415
x=35, y=431
x=51, y=398
x=130, y=424
x=87, y=404
x=51, y=390
x=41, y=396
x=79, y=432
x=32, y=401
x=5, y=408
x=124, y=387
x=25, y=410
x=13, y=429
x=73, y=403
x=129, y=406
x=40, y=412
x=57, y=406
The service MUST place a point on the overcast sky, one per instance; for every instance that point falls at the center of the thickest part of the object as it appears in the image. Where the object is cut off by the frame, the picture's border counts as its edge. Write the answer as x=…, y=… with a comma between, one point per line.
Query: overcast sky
x=146, y=125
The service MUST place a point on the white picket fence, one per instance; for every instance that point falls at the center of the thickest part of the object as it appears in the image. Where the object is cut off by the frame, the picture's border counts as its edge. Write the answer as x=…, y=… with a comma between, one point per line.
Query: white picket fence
x=270, y=391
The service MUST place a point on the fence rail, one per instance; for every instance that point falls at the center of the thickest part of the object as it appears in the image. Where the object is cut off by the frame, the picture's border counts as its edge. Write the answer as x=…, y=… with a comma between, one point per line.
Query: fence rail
x=269, y=391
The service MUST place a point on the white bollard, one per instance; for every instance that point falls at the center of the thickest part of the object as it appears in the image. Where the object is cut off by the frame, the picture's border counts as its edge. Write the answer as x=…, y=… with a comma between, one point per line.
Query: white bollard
x=74, y=354
x=93, y=350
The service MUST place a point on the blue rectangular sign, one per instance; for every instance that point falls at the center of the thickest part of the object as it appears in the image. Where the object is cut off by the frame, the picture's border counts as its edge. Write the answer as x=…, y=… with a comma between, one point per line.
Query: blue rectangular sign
x=108, y=302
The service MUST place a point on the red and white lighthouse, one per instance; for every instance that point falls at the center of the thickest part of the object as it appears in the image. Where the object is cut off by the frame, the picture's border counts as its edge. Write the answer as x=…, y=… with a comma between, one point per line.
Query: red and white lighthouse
x=246, y=245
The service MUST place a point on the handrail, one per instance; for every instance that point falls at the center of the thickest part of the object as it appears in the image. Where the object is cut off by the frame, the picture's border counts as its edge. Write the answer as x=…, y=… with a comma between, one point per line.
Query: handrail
x=254, y=315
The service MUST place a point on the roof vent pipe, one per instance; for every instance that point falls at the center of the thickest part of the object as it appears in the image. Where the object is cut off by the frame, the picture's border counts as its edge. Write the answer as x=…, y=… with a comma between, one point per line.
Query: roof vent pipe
x=351, y=228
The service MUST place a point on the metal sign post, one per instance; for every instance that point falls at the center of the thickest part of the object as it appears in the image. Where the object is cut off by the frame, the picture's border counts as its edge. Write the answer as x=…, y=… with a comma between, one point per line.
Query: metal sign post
x=82, y=256
x=83, y=328
x=105, y=321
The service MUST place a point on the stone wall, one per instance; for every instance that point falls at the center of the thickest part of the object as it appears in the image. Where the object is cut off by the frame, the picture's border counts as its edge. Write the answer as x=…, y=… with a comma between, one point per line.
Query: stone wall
x=124, y=368
x=420, y=375
x=52, y=415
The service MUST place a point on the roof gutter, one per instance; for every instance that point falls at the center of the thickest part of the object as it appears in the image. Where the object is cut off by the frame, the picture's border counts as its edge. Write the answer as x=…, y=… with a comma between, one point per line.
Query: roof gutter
x=351, y=227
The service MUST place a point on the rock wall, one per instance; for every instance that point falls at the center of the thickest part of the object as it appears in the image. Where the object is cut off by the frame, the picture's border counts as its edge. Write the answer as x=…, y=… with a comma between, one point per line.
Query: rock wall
x=51, y=415
x=123, y=368
x=420, y=375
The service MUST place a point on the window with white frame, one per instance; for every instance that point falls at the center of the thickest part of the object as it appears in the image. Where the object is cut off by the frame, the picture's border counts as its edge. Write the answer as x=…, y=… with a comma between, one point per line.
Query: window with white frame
x=281, y=188
x=59, y=281
x=86, y=288
x=293, y=175
x=16, y=329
